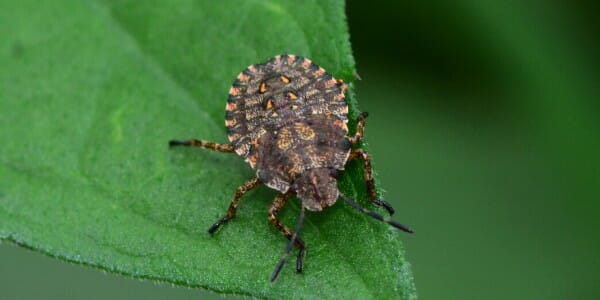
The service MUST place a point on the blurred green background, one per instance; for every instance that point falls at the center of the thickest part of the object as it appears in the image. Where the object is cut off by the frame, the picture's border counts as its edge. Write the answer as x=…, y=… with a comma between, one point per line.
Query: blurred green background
x=484, y=132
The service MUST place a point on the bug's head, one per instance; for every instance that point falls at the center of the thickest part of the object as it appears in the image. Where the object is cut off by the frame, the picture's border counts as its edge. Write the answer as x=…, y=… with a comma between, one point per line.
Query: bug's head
x=317, y=188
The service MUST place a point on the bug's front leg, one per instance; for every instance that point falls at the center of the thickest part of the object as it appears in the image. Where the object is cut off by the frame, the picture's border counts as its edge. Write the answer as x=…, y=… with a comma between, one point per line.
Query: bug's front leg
x=203, y=144
x=277, y=204
x=370, y=183
x=234, y=203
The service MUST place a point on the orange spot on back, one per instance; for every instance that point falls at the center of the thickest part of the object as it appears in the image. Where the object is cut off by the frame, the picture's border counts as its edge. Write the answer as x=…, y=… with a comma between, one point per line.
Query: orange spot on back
x=345, y=109
x=284, y=79
x=291, y=59
x=230, y=106
x=262, y=88
x=233, y=91
x=304, y=132
x=343, y=85
x=234, y=137
x=306, y=63
x=239, y=151
x=269, y=104
x=252, y=160
x=341, y=124
x=243, y=77
x=284, y=139
x=320, y=72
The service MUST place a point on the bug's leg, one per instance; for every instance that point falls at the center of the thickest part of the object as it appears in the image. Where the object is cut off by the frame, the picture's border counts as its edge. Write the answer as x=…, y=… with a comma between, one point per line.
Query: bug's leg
x=277, y=204
x=234, y=203
x=203, y=144
x=360, y=127
x=375, y=215
x=370, y=183
x=343, y=85
x=289, y=247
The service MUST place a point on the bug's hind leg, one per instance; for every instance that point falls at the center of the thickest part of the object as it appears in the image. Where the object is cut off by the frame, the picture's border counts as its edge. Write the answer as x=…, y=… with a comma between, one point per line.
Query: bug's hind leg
x=366, y=159
x=277, y=204
x=234, y=203
x=370, y=183
x=203, y=144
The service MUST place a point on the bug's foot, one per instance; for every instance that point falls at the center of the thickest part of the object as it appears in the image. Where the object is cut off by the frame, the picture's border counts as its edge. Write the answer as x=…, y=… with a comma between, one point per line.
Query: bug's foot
x=217, y=224
x=299, y=260
x=173, y=143
x=386, y=205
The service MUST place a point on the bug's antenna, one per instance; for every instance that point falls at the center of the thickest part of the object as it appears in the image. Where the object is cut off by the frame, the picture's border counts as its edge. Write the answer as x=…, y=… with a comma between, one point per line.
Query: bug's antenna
x=376, y=215
x=290, y=246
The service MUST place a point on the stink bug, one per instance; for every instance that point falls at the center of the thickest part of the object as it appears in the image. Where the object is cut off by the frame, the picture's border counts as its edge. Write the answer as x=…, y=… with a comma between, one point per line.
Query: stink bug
x=288, y=119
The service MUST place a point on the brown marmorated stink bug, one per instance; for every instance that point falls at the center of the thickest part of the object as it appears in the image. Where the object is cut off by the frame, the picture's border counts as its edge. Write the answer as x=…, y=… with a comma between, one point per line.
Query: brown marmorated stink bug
x=287, y=118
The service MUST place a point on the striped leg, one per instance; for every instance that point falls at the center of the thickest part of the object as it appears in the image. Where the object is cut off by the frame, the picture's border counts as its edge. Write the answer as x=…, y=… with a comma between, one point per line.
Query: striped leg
x=343, y=85
x=360, y=128
x=289, y=247
x=203, y=144
x=234, y=203
x=370, y=183
x=277, y=204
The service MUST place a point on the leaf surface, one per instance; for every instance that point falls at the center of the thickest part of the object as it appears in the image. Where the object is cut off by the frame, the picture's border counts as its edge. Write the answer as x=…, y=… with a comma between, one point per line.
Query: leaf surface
x=90, y=93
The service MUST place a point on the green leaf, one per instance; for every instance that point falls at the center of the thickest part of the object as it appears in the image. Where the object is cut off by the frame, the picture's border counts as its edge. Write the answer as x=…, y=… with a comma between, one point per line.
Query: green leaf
x=90, y=93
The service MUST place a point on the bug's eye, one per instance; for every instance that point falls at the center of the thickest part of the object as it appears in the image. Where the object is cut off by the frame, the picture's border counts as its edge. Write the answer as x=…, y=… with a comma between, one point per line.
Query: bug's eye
x=294, y=187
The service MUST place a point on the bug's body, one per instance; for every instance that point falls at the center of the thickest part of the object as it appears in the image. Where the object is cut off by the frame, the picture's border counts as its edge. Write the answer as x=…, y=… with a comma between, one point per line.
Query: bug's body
x=288, y=119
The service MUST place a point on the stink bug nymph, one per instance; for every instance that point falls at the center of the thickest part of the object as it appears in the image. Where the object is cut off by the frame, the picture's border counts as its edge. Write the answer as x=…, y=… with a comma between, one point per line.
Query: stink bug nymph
x=288, y=119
